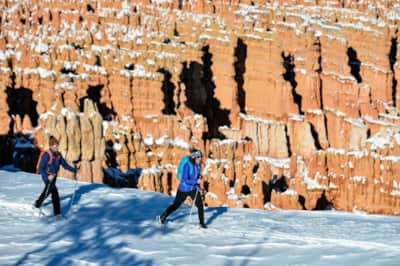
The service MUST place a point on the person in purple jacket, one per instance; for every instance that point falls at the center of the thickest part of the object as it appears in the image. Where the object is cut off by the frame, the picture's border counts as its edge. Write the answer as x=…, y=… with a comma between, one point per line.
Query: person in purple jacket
x=48, y=166
x=188, y=186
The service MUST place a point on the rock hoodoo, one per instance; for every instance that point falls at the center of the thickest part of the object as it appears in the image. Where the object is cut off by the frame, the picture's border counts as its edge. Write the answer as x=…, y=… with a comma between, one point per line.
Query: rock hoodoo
x=304, y=90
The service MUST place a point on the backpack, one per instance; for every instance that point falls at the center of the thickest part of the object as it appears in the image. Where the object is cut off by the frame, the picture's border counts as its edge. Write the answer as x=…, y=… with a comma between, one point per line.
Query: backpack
x=179, y=171
x=40, y=159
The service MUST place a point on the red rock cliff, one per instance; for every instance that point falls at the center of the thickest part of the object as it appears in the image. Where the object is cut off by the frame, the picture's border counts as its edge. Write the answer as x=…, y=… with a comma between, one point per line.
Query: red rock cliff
x=306, y=90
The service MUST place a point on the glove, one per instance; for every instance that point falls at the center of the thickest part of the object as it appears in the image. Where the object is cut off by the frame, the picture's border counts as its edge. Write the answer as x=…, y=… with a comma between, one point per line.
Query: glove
x=77, y=166
x=200, y=190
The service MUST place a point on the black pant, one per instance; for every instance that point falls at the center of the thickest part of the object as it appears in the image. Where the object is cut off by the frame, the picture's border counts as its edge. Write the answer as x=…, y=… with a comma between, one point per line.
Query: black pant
x=180, y=198
x=50, y=187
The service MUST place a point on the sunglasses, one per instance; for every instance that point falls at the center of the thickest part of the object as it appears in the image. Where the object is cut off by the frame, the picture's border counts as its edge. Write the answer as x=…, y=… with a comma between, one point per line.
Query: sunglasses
x=196, y=154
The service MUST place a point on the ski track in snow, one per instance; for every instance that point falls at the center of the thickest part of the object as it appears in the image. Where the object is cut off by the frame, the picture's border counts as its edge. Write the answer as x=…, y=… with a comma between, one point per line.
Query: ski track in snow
x=107, y=226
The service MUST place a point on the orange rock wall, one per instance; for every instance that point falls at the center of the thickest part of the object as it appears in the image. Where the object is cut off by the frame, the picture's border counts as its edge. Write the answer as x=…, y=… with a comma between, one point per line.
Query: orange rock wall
x=307, y=90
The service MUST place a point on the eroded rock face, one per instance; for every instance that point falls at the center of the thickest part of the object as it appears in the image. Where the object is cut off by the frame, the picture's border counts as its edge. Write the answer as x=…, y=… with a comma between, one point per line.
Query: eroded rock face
x=307, y=91
x=81, y=140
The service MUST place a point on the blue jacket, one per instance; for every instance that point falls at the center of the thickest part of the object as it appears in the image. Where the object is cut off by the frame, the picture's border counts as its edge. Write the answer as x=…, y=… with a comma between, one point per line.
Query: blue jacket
x=190, y=176
x=46, y=169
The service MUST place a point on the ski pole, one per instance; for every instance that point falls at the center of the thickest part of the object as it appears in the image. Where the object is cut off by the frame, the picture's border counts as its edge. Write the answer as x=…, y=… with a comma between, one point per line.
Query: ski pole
x=194, y=202
x=73, y=194
x=49, y=185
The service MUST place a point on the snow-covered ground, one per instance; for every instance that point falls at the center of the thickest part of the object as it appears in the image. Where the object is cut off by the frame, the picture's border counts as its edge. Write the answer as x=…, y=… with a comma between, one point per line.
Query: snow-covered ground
x=109, y=226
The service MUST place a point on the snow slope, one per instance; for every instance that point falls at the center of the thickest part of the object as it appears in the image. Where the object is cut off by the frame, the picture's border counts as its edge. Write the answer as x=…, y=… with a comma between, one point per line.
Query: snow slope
x=109, y=226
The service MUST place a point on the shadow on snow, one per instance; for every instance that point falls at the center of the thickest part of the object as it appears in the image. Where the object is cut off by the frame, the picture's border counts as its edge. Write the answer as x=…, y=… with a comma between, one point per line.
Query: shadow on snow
x=103, y=227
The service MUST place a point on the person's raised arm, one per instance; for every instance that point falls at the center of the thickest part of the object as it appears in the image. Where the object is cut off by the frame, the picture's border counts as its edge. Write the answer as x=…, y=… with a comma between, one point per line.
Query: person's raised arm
x=67, y=166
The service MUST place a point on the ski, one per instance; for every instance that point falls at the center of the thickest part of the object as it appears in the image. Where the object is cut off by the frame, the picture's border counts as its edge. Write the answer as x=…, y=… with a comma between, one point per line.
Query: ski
x=57, y=218
x=42, y=213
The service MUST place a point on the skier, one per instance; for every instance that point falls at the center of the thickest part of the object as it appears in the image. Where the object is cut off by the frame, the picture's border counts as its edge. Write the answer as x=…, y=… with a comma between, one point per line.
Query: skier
x=48, y=166
x=188, y=186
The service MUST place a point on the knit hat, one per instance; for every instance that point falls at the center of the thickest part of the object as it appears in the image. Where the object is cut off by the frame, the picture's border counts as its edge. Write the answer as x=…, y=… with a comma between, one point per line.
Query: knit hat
x=196, y=154
x=52, y=141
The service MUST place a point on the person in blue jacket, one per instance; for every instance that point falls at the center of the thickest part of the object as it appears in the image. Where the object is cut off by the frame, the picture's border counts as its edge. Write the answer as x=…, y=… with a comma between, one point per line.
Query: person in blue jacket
x=188, y=186
x=49, y=164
